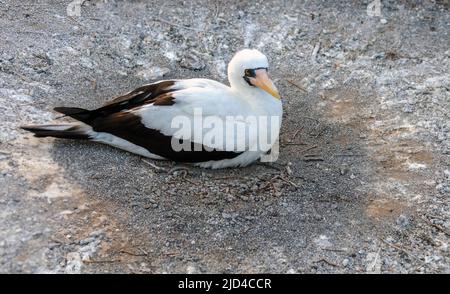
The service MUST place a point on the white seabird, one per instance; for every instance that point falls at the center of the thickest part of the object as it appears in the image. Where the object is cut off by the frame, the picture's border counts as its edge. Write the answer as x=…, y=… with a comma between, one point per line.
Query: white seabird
x=144, y=121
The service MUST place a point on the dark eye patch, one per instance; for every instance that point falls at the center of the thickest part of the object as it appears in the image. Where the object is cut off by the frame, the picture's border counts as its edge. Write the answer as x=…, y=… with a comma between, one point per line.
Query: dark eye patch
x=251, y=73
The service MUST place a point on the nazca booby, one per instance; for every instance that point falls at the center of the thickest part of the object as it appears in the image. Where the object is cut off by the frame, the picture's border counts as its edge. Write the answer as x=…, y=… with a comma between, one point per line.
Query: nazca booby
x=142, y=121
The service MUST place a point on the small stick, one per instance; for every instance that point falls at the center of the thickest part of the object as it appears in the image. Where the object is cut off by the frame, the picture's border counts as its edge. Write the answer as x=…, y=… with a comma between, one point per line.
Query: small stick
x=93, y=82
x=295, y=134
x=435, y=216
x=189, y=181
x=297, y=86
x=311, y=155
x=308, y=117
x=320, y=132
x=185, y=171
x=273, y=187
x=290, y=142
x=154, y=165
x=101, y=261
x=400, y=249
x=178, y=168
x=313, y=159
x=289, y=182
x=372, y=265
x=436, y=226
x=327, y=262
x=309, y=148
x=265, y=164
x=268, y=183
x=315, y=51
x=132, y=254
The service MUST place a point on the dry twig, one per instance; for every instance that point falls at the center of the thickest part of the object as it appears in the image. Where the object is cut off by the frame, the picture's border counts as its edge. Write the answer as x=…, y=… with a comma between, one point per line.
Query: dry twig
x=158, y=168
x=327, y=262
x=297, y=86
x=438, y=227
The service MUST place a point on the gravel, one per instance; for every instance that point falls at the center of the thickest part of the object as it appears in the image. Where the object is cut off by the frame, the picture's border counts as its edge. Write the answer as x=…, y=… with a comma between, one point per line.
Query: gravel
x=361, y=185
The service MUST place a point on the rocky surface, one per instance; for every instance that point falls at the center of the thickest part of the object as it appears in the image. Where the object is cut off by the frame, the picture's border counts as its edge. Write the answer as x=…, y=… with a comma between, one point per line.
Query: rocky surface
x=362, y=184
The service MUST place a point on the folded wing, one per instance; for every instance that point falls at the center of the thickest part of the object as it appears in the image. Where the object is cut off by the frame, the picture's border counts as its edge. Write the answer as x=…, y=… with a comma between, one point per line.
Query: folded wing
x=144, y=118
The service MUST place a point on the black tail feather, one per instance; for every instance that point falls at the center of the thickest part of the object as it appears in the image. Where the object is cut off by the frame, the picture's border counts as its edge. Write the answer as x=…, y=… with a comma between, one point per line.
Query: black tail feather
x=76, y=113
x=68, y=131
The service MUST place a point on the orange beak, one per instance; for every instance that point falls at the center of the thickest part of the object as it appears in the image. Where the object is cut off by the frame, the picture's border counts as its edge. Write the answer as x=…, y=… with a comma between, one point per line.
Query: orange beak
x=262, y=81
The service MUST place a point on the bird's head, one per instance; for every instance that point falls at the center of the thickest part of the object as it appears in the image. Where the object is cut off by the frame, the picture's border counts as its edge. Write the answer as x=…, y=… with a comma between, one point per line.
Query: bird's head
x=248, y=70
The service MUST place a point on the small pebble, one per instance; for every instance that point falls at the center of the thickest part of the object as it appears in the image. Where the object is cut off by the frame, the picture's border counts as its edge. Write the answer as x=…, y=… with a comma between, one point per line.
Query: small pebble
x=408, y=108
x=192, y=62
x=345, y=262
x=226, y=215
x=403, y=222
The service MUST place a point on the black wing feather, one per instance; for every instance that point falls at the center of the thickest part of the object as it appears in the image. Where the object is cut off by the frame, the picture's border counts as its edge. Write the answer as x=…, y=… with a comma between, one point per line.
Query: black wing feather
x=138, y=97
x=129, y=126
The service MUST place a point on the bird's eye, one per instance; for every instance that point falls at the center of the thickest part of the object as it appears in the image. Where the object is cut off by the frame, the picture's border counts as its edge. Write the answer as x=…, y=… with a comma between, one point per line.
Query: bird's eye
x=247, y=72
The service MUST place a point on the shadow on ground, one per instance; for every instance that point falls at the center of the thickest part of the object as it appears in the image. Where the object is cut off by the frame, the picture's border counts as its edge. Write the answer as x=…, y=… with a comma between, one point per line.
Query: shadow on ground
x=256, y=219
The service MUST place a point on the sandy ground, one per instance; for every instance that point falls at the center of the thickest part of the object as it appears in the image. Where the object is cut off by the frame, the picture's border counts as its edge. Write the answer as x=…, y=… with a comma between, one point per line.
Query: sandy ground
x=362, y=184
